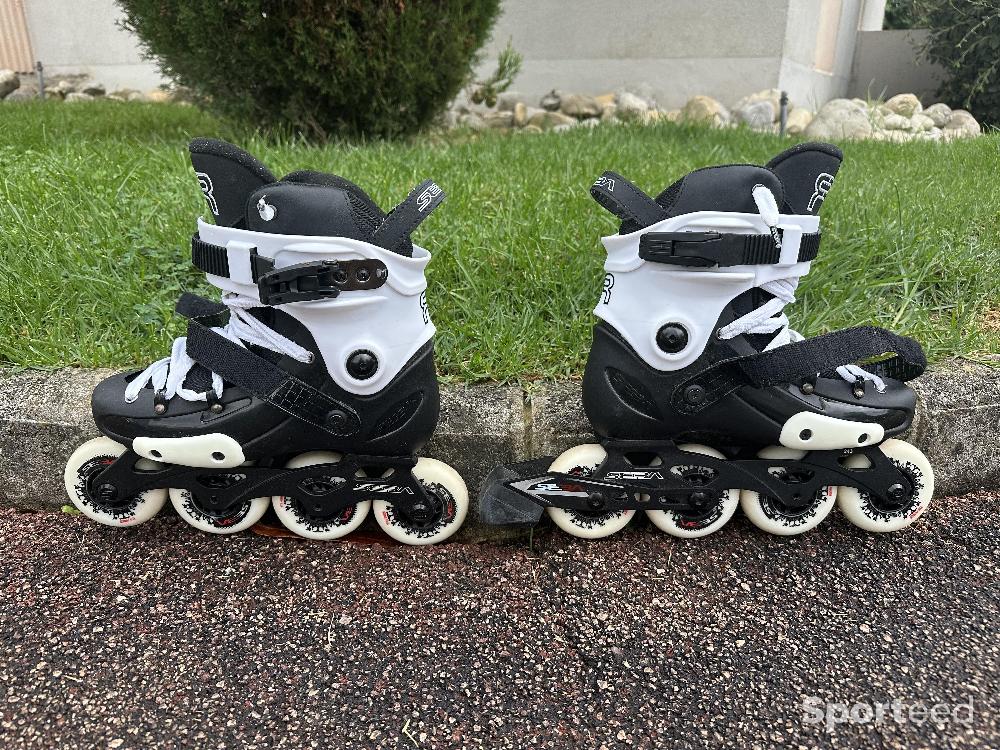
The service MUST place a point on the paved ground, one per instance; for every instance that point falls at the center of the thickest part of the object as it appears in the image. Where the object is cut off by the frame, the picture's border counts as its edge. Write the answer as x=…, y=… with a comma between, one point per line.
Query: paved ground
x=164, y=637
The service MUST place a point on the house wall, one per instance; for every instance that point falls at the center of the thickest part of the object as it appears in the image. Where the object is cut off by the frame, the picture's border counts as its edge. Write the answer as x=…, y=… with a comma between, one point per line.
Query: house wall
x=890, y=62
x=679, y=48
x=15, y=43
x=723, y=48
x=81, y=36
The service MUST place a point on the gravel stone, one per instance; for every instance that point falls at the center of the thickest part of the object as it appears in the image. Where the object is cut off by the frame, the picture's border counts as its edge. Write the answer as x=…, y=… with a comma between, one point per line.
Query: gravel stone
x=161, y=636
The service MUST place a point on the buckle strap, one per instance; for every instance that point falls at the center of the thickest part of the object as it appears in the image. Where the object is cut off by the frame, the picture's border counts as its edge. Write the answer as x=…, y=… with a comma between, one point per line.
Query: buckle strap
x=262, y=378
x=717, y=249
x=803, y=359
x=302, y=282
x=212, y=259
x=314, y=280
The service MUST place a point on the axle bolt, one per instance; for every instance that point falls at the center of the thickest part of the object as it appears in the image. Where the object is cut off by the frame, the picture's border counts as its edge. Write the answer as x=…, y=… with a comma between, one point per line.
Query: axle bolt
x=106, y=493
x=699, y=498
x=896, y=493
x=595, y=501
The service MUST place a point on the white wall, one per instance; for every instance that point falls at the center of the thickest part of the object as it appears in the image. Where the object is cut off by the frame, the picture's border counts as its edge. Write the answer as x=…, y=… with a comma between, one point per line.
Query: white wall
x=81, y=36
x=680, y=48
x=723, y=48
x=890, y=62
x=808, y=85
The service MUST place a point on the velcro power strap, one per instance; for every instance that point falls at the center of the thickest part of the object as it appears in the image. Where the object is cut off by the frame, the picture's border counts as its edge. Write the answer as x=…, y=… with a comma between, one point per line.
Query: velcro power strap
x=825, y=353
x=194, y=306
x=267, y=381
x=796, y=361
x=626, y=201
x=404, y=218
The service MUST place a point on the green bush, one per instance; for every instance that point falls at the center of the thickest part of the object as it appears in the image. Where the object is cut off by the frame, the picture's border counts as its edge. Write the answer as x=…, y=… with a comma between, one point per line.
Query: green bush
x=965, y=41
x=899, y=14
x=323, y=68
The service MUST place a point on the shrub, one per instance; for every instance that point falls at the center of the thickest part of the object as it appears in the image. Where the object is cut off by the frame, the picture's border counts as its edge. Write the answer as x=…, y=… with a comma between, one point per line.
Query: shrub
x=965, y=41
x=899, y=14
x=353, y=68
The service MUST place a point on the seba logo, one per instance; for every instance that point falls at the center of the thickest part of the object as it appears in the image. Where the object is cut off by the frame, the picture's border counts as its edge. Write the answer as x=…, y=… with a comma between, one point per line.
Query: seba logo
x=425, y=199
x=823, y=184
x=205, y=183
x=608, y=183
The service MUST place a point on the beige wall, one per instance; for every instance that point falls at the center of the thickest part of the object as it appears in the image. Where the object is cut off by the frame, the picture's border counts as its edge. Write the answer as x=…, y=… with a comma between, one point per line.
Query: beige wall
x=889, y=62
x=723, y=48
x=81, y=36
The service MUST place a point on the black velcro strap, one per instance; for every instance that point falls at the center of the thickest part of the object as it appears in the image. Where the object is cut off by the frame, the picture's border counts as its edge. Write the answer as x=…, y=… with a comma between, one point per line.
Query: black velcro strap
x=404, y=218
x=626, y=201
x=264, y=379
x=193, y=306
x=791, y=363
x=213, y=259
x=718, y=249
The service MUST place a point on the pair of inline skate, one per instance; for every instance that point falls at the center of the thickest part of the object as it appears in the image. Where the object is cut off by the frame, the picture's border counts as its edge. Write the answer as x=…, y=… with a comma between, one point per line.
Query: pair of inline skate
x=311, y=385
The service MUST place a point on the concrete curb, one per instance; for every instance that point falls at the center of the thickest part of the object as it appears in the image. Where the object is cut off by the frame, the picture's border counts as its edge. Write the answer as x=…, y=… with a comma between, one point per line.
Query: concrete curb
x=44, y=416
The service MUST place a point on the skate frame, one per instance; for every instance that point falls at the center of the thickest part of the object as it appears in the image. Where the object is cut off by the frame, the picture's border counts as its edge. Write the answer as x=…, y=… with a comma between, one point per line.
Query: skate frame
x=685, y=481
x=326, y=489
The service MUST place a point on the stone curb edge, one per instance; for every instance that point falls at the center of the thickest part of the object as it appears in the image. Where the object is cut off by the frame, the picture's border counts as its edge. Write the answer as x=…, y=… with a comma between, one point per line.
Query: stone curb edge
x=45, y=415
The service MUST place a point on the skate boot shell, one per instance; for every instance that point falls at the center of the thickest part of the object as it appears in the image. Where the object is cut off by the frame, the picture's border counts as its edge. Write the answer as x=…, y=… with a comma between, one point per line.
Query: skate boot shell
x=703, y=398
x=308, y=387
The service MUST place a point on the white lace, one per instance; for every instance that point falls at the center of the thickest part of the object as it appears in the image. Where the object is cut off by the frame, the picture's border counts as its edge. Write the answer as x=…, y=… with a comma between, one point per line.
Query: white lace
x=770, y=316
x=168, y=374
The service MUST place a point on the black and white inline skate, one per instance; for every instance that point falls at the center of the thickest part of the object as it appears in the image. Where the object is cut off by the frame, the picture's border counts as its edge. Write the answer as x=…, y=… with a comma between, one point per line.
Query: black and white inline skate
x=701, y=395
x=309, y=387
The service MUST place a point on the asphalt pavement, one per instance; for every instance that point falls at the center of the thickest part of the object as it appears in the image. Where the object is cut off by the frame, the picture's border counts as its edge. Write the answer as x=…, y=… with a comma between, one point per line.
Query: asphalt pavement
x=161, y=636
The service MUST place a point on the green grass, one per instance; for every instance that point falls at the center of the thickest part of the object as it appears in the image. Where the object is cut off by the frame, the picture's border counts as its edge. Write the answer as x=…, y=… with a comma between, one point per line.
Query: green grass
x=97, y=202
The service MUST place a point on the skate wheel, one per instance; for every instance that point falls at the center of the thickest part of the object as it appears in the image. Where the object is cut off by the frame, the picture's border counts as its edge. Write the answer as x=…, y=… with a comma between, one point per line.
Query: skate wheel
x=862, y=511
x=296, y=517
x=688, y=526
x=239, y=519
x=773, y=516
x=445, y=485
x=84, y=465
x=582, y=461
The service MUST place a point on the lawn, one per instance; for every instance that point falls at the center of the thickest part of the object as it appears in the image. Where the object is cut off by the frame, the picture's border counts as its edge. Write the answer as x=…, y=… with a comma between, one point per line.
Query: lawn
x=97, y=202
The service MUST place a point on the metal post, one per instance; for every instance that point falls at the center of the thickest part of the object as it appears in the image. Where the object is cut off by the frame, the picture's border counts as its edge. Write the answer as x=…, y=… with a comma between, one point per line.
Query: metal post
x=40, y=73
x=783, y=118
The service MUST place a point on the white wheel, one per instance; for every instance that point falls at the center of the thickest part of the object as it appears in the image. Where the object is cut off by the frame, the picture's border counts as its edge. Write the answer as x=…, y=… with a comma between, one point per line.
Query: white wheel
x=81, y=470
x=773, y=516
x=447, y=488
x=858, y=506
x=196, y=514
x=582, y=461
x=294, y=513
x=693, y=525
